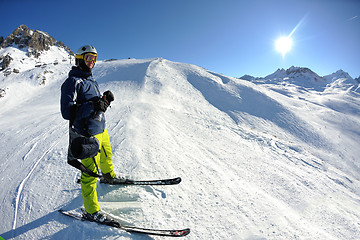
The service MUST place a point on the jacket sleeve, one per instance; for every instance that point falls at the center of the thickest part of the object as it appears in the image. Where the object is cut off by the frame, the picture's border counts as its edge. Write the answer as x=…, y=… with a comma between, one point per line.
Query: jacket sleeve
x=70, y=108
x=68, y=98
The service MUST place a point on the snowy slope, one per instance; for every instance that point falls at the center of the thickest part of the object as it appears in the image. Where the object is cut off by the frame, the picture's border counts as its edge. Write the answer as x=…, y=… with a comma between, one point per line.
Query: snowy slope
x=258, y=160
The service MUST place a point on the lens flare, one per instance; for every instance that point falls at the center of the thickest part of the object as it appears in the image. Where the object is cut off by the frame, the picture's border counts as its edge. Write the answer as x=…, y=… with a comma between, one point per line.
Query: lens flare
x=283, y=45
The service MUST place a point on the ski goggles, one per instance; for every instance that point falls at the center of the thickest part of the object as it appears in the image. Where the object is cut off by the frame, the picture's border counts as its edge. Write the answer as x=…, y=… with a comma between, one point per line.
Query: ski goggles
x=88, y=57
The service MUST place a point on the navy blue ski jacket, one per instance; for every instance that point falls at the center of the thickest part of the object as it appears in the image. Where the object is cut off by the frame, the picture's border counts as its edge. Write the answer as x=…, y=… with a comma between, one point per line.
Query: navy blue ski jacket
x=78, y=93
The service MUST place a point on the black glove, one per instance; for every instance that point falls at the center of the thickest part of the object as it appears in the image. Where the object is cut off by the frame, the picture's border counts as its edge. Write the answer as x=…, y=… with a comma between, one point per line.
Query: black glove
x=109, y=96
x=101, y=105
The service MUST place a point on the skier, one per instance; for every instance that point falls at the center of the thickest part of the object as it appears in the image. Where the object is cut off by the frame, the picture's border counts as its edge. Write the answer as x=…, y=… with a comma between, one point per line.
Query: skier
x=84, y=107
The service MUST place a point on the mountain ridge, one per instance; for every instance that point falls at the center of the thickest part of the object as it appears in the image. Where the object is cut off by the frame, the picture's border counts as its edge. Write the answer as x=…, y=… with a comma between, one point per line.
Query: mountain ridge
x=305, y=77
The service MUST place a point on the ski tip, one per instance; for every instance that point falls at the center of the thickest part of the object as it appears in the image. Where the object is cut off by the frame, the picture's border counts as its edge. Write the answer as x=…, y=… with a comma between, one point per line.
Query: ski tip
x=177, y=180
x=181, y=233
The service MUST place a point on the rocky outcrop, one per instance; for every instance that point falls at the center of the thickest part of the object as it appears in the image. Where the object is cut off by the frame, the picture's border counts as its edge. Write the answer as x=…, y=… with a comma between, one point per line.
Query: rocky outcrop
x=34, y=41
x=2, y=92
x=5, y=62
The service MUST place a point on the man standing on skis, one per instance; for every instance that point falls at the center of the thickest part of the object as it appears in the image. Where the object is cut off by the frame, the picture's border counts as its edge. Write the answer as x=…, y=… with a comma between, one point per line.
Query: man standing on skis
x=84, y=107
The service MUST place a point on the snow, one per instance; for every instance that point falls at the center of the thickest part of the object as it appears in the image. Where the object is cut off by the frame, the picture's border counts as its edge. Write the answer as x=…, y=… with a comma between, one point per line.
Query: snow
x=263, y=159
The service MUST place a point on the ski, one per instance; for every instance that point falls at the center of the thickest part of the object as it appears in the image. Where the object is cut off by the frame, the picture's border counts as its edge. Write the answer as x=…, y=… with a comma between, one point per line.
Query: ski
x=147, y=231
x=171, y=181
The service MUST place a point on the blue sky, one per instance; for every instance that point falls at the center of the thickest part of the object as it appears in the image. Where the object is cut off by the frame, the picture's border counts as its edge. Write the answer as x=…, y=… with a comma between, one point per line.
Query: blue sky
x=231, y=37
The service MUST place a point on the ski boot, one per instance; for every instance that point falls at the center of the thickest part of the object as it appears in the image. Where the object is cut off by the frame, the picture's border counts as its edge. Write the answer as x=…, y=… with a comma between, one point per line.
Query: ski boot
x=106, y=178
x=99, y=217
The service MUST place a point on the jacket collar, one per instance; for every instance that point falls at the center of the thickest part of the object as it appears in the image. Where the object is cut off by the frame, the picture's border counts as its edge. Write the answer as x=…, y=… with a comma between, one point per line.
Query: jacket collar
x=77, y=72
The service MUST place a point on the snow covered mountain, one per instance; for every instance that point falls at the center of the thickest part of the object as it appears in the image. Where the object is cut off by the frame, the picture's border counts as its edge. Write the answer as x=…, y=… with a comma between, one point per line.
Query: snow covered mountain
x=306, y=78
x=263, y=159
x=35, y=42
x=25, y=49
x=294, y=74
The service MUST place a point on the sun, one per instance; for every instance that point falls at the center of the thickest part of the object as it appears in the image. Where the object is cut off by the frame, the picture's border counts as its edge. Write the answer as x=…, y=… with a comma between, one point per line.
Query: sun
x=283, y=45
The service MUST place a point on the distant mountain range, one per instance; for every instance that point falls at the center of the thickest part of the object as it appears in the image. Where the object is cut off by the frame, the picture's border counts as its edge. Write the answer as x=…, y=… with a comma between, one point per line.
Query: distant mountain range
x=305, y=77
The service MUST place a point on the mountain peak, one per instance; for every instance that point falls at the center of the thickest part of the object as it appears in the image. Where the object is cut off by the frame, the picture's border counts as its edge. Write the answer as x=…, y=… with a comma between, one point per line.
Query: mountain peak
x=293, y=69
x=339, y=74
x=249, y=77
x=294, y=73
x=34, y=41
x=340, y=78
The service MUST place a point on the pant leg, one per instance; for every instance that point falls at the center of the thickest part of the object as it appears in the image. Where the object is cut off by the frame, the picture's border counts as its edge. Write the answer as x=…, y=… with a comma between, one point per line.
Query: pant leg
x=88, y=183
x=89, y=194
x=106, y=163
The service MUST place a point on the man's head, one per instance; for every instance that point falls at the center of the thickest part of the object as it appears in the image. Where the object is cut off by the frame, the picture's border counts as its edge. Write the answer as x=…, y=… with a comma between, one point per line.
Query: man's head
x=85, y=58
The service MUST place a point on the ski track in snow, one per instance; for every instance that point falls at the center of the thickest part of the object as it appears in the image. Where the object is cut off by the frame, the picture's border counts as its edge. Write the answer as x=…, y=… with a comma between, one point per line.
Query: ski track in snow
x=29, y=152
x=22, y=184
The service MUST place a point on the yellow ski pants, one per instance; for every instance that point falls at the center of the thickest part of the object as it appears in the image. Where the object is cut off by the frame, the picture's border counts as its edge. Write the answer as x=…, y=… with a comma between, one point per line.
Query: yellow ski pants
x=88, y=183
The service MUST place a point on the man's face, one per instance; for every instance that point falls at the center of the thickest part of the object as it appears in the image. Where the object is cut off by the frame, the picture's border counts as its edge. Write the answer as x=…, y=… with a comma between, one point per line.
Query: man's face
x=90, y=59
x=90, y=64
